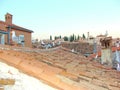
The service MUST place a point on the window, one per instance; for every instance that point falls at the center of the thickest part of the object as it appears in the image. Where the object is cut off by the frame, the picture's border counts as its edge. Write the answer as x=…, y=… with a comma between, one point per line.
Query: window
x=21, y=39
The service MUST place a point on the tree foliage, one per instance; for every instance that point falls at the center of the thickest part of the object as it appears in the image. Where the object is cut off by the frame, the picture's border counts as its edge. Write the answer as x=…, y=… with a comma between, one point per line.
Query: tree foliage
x=75, y=38
x=65, y=38
x=78, y=37
x=60, y=37
x=57, y=37
x=71, y=38
x=84, y=36
x=50, y=37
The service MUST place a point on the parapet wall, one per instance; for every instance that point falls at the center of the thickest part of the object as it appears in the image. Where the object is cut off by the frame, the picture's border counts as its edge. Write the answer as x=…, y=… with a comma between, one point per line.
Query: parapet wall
x=106, y=57
x=79, y=47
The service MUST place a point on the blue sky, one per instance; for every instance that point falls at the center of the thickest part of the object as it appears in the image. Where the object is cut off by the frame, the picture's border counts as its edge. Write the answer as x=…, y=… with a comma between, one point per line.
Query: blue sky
x=64, y=17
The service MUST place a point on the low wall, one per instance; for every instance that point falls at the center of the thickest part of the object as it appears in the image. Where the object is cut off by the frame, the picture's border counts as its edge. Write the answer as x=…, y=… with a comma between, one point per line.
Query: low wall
x=79, y=47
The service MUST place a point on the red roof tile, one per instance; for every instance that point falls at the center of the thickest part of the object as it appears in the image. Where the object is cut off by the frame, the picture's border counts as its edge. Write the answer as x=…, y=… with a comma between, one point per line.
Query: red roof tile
x=99, y=53
x=16, y=27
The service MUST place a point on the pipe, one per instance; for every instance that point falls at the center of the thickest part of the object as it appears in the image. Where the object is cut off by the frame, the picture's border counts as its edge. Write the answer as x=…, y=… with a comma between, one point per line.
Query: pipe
x=9, y=29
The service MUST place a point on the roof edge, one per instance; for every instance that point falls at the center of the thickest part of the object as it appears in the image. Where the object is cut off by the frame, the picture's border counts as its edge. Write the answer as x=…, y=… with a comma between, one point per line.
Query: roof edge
x=20, y=28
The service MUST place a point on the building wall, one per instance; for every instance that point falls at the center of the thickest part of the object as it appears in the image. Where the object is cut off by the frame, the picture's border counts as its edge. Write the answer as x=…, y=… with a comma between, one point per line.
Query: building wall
x=27, y=37
x=8, y=21
x=3, y=26
x=79, y=47
x=106, y=57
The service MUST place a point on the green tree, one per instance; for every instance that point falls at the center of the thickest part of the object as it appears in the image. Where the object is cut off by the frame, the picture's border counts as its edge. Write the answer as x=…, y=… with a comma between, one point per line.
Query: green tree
x=78, y=37
x=55, y=38
x=84, y=36
x=60, y=36
x=50, y=37
x=75, y=38
x=65, y=38
x=71, y=38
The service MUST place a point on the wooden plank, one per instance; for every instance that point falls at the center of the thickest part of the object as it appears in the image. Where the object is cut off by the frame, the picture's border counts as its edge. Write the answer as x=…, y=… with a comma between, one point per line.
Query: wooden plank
x=7, y=81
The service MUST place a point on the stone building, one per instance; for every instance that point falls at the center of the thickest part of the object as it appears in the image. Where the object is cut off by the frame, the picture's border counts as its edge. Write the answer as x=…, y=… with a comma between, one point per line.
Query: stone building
x=80, y=47
x=21, y=35
x=106, y=51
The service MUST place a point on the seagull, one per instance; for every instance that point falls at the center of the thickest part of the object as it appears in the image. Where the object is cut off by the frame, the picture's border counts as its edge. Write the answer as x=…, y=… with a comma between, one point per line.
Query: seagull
x=14, y=37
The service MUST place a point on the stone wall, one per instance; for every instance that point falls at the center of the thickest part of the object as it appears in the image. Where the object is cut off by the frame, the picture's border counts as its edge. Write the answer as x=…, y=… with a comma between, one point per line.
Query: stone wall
x=106, y=57
x=79, y=47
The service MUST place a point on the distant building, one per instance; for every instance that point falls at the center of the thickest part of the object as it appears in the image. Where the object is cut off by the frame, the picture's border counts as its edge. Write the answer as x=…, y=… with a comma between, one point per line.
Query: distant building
x=22, y=35
x=98, y=38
